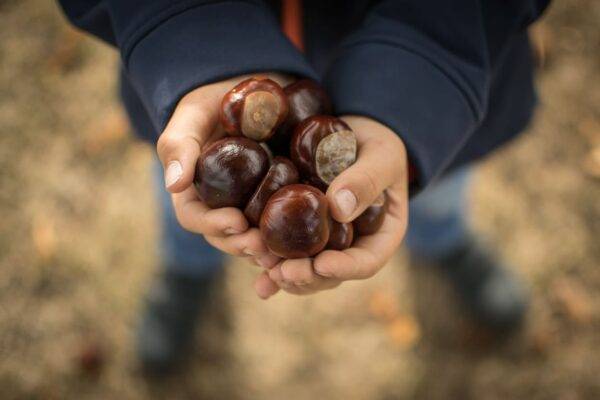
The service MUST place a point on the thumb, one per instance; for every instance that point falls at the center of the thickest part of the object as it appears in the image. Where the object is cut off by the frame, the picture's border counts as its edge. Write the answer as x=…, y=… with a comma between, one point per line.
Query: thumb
x=378, y=166
x=180, y=143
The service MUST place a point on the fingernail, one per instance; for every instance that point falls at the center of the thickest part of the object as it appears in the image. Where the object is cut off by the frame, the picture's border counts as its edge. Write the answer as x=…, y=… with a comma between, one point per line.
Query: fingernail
x=173, y=173
x=346, y=202
x=232, y=231
x=249, y=252
x=323, y=273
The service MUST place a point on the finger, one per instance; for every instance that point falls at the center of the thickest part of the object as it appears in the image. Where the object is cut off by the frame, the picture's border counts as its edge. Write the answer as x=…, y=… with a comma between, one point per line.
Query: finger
x=247, y=244
x=298, y=272
x=369, y=253
x=179, y=145
x=276, y=276
x=264, y=286
x=195, y=216
x=298, y=276
x=379, y=164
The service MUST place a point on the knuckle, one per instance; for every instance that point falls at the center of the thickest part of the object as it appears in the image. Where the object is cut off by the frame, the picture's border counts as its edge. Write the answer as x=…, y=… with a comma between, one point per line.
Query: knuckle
x=304, y=279
x=185, y=223
x=369, y=183
x=166, y=144
x=298, y=276
x=203, y=120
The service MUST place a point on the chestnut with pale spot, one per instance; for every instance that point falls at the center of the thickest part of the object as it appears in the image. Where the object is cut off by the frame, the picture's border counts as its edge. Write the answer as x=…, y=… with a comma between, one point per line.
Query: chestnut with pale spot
x=281, y=173
x=372, y=218
x=255, y=108
x=229, y=170
x=295, y=222
x=323, y=147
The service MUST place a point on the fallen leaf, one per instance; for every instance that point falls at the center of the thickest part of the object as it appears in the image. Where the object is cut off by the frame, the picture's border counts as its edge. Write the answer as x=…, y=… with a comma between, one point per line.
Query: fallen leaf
x=65, y=50
x=475, y=337
x=404, y=331
x=591, y=163
x=541, y=340
x=384, y=305
x=589, y=128
x=109, y=131
x=43, y=235
x=91, y=357
x=573, y=299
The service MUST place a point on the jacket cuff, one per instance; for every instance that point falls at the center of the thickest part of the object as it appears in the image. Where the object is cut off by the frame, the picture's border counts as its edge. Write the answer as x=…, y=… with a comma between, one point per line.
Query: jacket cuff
x=205, y=44
x=410, y=95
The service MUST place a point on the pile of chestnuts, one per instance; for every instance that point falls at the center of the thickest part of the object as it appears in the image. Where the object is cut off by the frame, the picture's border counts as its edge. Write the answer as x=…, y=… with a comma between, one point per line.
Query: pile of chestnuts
x=282, y=152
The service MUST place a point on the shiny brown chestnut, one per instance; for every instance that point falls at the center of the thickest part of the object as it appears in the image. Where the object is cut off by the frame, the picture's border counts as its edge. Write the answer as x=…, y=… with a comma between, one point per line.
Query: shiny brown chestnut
x=306, y=98
x=281, y=173
x=341, y=235
x=372, y=218
x=254, y=108
x=229, y=170
x=295, y=222
x=322, y=147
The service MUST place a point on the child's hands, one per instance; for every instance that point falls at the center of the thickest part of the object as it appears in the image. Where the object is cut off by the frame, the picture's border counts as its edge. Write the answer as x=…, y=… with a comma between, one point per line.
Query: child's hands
x=381, y=165
x=194, y=124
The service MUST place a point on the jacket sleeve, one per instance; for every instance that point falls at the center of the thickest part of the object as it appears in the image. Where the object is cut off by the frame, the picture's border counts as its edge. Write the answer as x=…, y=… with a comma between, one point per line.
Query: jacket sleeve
x=423, y=68
x=170, y=47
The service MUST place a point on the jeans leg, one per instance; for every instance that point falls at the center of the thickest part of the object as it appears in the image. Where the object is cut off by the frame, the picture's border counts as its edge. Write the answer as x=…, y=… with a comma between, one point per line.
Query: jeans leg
x=437, y=217
x=181, y=251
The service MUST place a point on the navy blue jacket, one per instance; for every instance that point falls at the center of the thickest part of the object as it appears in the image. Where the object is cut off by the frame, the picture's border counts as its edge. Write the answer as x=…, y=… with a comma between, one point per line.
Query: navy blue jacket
x=453, y=78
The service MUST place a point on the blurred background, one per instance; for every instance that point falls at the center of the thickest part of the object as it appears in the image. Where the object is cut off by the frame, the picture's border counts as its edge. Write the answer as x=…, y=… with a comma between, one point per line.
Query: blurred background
x=78, y=232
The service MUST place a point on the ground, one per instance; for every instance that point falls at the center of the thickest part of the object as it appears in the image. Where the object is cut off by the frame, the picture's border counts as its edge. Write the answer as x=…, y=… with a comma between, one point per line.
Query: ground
x=78, y=239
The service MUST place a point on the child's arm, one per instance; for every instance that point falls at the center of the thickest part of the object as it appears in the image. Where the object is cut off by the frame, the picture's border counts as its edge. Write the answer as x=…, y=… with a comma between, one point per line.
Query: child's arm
x=168, y=48
x=425, y=68
x=420, y=70
x=181, y=57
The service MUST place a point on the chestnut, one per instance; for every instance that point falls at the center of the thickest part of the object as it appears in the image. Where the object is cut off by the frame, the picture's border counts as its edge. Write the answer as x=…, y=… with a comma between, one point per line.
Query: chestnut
x=254, y=108
x=322, y=147
x=372, y=218
x=341, y=235
x=281, y=173
x=295, y=222
x=306, y=98
x=229, y=170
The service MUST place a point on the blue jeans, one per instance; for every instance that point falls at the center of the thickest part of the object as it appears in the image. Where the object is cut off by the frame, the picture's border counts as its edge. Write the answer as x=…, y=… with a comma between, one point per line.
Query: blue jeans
x=437, y=220
x=436, y=226
x=182, y=251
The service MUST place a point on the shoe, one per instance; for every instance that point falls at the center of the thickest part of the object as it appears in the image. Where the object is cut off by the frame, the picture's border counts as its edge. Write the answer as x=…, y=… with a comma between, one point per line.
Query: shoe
x=174, y=305
x=492, y=295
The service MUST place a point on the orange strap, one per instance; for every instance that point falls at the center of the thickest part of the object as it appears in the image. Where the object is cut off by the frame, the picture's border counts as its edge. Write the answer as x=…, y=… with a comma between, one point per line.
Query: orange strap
x=291, y=22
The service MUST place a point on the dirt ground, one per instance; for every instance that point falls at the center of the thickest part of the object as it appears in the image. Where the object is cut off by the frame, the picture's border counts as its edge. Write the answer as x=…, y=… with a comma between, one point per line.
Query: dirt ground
x=78, y=234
